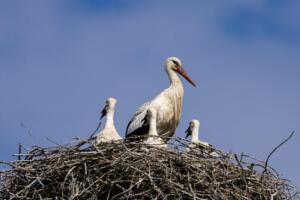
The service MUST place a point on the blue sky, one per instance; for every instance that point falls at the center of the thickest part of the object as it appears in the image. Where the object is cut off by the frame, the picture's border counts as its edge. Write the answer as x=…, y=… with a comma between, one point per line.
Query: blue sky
x=60, y=60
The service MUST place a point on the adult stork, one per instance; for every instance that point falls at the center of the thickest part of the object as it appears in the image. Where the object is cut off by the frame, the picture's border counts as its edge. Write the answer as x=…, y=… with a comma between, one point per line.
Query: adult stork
x=153, y=137
x=168, y=105
x=109, y=133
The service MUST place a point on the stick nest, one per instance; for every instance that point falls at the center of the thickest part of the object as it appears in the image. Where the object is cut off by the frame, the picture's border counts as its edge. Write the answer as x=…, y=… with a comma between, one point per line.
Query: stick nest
x=129, y=170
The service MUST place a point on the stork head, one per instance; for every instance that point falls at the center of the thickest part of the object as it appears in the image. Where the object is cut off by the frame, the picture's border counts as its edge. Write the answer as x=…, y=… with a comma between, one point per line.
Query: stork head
x=110, y=105
x=175, y=64
x=194, y=124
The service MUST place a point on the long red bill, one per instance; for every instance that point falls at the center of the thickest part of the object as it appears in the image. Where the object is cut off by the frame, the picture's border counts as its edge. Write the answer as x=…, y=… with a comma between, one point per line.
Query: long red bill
x=181, y=71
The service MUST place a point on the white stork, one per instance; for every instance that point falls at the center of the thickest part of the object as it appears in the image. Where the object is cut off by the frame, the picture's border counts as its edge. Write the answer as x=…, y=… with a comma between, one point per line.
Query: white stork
x=153, y=137
x=193, y=130
x=109, y=132
x=168, y=104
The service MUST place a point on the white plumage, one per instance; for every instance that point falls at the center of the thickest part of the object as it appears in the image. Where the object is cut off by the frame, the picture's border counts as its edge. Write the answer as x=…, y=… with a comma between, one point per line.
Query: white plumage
x=168, y=104
x=109, y=133
x=193, y=130
x=153, y=137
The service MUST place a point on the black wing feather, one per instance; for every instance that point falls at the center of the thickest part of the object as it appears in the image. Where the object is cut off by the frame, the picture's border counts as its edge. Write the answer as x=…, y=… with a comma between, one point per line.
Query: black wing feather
x=103, y=112
x=140, y=131
x=188, y=132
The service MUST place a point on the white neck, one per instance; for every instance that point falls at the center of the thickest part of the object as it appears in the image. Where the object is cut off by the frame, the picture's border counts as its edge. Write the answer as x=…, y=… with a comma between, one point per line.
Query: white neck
x=109, y=123
x=152, y=127
x=195, y=133
x=174, y=79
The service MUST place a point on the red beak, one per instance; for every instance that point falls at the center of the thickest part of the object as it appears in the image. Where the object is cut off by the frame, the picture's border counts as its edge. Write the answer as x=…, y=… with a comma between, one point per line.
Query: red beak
x=181, y=71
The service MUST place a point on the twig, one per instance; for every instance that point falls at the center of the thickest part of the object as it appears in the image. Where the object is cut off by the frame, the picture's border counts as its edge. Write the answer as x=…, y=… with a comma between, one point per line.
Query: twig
x=96, y=130
x=28, y=131
x=20, y=151
x=287, y=139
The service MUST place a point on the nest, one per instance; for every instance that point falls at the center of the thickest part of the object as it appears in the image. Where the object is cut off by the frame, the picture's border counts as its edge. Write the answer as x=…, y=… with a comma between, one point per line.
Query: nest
x=130, y=170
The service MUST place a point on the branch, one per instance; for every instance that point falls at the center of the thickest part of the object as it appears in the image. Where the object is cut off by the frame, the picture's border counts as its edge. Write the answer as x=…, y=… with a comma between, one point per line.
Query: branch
x=287, y=139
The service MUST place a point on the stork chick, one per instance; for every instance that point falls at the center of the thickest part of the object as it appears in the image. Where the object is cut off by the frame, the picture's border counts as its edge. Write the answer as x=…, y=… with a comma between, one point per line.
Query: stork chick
x=193, y=130
x=109, y=133
x=153, y=137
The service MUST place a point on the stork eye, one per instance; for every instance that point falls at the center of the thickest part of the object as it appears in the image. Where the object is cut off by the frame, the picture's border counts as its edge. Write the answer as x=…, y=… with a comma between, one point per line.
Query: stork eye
x=175, y=62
